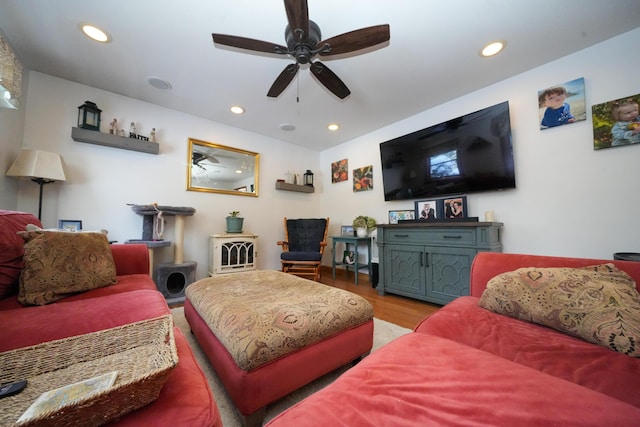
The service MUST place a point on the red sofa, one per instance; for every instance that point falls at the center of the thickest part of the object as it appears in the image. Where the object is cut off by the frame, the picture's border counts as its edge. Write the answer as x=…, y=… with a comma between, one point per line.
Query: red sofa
x=466, y=366
x=185, y=399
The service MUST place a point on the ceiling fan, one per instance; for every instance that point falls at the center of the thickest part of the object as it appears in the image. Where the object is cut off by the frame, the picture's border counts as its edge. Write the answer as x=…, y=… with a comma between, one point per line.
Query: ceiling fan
x=304, y=43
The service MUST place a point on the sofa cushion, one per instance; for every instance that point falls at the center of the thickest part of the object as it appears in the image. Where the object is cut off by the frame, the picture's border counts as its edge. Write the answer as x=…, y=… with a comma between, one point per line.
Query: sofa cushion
x=58, y=264
x=599, y=304
x=541, y=348
x=12, y=249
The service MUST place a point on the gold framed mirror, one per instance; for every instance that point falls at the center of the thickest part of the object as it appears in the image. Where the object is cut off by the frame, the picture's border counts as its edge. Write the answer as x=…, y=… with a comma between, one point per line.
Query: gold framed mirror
x=216, y=168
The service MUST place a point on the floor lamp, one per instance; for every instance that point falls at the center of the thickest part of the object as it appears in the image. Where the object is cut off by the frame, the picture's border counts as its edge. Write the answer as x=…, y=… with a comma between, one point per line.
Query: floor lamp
x=42, y=167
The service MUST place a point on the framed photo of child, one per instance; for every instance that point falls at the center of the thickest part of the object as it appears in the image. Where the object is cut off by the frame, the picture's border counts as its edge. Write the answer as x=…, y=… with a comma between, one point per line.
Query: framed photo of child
x=616, y=123
x=562, y=104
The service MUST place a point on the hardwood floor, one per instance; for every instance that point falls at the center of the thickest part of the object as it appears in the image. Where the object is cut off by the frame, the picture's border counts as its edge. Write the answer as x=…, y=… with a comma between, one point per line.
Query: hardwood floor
x=406, y=312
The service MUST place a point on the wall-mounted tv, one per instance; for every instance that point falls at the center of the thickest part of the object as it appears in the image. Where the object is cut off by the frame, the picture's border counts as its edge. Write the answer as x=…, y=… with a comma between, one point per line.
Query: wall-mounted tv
x=468, y=154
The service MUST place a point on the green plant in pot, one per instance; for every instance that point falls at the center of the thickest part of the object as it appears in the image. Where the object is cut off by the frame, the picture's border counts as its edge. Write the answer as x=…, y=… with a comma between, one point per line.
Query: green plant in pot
x=363, y=224
x=234, y=222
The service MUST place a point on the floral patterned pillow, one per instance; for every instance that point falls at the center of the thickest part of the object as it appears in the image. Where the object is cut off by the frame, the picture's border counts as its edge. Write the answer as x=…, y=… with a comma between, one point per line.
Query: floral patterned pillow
x=599, y=304
x=59, y=264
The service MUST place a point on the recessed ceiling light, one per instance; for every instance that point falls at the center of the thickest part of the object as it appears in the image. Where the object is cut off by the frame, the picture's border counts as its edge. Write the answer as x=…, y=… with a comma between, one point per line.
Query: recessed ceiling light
x=158, y=83
x=95, y=33
x=287, y=127
x=237, y=109
x=493, y=48
x=333, y=127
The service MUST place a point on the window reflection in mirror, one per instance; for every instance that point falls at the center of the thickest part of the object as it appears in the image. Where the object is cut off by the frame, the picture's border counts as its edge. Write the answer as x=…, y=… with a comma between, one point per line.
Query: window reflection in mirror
x=217, y=168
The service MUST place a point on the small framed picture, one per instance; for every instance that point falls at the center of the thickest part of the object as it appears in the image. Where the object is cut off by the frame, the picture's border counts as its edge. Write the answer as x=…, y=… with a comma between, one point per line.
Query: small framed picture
x=427, y=209
x=69, y=225
x=455, y=207
x=401, y=215
x=346, y=230
x=348, y=257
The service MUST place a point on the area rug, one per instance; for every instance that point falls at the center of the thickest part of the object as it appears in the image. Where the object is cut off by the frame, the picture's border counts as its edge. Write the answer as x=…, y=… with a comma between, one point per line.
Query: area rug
x=383, y=332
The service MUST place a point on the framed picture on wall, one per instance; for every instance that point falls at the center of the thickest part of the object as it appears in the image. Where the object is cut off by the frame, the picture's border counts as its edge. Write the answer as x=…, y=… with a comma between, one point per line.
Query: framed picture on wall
x=339, y=171
x=363, y=179
x=562, y=104
x=616, y=123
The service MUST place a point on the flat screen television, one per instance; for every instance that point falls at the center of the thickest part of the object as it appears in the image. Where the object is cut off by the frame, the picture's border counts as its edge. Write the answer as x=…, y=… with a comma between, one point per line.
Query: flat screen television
x=468, y=154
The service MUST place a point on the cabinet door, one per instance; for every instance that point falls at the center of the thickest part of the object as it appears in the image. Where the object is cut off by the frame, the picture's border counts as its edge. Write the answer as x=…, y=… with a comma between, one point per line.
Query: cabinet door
x=450, y=269
x=404, y=270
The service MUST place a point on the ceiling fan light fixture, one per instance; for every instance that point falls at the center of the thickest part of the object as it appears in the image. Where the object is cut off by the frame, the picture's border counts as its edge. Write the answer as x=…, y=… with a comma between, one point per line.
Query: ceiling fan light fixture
x=493, y=48
x=95, y=33
x=333, y=127
x=287, y=127
x=236, y=109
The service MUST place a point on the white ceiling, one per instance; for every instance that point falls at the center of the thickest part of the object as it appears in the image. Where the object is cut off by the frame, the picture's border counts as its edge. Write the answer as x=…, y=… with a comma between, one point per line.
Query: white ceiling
x=432, y=57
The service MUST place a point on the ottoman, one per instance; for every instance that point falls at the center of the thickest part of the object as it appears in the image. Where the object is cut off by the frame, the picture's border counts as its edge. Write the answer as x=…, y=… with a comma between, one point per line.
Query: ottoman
x=268, y=333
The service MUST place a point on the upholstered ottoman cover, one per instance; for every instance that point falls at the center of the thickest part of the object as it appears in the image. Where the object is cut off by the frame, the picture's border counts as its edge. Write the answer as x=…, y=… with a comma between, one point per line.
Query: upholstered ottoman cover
x=273, y=327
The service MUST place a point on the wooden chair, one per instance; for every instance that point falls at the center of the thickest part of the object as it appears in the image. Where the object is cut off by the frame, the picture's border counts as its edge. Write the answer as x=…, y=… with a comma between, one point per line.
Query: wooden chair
x=303, y=246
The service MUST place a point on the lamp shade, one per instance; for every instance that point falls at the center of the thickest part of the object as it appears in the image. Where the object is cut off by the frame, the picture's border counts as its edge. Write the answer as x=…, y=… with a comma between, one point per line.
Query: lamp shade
x=38, y=164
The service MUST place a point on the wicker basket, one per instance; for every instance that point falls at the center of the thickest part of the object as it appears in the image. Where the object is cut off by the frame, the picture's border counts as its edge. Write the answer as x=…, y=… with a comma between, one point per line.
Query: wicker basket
x=143, y=353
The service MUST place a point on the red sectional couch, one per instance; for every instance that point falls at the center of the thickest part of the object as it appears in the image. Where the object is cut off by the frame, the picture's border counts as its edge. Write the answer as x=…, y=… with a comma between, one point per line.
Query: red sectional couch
x=466, y=366
x=185, y=399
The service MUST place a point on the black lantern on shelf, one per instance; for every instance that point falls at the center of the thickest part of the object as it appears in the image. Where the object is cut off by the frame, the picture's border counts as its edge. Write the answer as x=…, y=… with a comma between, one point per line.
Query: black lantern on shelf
x=308, y=178
x=89, y=116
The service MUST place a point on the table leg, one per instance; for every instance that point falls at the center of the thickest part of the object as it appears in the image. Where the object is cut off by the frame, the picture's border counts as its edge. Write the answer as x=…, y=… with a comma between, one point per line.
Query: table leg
x=355, y=271
x=333, y=260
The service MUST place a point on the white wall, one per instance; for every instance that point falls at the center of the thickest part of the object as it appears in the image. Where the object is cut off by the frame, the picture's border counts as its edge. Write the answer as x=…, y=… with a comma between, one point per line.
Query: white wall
x=101, y=181
x=570, y=200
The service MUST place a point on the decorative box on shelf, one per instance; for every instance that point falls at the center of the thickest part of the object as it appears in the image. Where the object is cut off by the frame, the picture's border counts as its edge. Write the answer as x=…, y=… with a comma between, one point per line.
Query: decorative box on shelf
x=232, y=253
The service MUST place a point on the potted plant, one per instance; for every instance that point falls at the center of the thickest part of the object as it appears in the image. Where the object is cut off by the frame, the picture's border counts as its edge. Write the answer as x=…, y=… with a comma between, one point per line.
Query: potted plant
x=363, y=224
x=234, y=222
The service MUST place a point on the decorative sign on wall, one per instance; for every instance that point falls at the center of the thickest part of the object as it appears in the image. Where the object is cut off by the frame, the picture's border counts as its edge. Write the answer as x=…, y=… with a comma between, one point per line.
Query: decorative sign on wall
x=562, y=104
x=363, y=179
x=616, y=123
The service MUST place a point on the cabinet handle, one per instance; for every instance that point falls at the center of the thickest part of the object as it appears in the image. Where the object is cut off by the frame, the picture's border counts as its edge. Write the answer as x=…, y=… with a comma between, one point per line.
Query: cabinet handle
x=453, y=237
x=400, y=235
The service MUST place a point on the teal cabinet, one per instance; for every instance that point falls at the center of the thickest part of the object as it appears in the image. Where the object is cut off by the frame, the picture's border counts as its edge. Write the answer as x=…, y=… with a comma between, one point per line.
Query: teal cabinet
x=431, y=261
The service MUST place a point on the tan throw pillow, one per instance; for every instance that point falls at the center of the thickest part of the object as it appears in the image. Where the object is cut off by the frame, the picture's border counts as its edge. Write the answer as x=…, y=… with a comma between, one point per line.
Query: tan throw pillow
x=599, y=304
x=58, y=264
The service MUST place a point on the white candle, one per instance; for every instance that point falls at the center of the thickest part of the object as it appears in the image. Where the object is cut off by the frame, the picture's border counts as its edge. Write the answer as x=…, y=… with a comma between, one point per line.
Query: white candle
x=489, y=216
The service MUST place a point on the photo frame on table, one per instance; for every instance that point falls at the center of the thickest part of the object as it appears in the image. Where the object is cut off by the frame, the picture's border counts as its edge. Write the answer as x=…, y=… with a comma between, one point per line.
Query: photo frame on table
x=428, y=209
x=401, y=215
x=70, y=225
x=455, y=207
x=346, y=230
x=348, y=257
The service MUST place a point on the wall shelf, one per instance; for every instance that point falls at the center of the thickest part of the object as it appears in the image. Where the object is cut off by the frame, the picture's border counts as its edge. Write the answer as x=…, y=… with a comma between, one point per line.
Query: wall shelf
x=294, y=187
x=108, y=140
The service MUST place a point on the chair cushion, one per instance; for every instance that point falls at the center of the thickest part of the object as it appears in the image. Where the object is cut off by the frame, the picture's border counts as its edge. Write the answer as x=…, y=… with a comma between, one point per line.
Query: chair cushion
x=305, y=235
x=301, y=256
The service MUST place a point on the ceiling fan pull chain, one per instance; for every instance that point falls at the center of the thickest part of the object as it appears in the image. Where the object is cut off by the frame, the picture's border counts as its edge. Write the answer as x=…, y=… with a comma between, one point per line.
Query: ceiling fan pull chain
x=298, y=88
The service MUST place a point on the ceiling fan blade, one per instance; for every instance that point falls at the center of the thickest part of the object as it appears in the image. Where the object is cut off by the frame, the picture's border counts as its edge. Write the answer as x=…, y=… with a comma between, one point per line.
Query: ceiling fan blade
x=249, y=44
x=330, y=80
x=298, y=16
x=283, y=80
x=355, y=40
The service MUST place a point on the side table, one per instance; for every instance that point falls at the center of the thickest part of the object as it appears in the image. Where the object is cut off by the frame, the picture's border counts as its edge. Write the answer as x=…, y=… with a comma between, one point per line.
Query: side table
x=348, y=241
